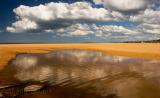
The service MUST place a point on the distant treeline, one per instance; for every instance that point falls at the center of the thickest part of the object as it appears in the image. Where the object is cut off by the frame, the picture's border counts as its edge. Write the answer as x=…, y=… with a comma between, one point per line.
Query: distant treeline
x=151, y=41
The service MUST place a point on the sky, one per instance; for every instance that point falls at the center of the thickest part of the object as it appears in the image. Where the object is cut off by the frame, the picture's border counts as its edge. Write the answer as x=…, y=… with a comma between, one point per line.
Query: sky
x=77, y=21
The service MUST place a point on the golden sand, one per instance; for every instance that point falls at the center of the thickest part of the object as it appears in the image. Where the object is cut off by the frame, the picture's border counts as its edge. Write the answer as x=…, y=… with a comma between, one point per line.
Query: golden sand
x=137, y=50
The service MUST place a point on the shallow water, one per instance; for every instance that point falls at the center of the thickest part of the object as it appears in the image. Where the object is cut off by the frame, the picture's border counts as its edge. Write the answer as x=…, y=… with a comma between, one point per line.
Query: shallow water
x=73, y=73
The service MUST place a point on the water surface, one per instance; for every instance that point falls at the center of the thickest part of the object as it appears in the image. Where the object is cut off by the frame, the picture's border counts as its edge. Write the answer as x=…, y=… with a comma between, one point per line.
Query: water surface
x=73, y=73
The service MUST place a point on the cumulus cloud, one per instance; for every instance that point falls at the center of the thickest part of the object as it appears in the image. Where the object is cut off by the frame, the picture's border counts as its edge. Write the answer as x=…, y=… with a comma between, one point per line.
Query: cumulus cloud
x=79, y=32
x=52, y=11
x=115, y=31
x=148, y=16
x=149, y=28
x=130, y=6
x=149, y=21
x=141, y=31
x=126, y=5
x=55, y=15
x=97, y=30
x=79, y=19
x=23, y=25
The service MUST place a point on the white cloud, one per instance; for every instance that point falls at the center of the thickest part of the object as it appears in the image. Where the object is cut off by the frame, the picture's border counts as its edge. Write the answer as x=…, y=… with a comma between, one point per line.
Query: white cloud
x=148, y=16
x=99, y=31
x=74, y=30
x=126, y=5
x=141, y=32
x=23, y=26
x=43, y=17
x=149, y=21
x=80, y=32
x=53, y=11
x=130, y=6
x=113, y=30
x=149, y=28
x=68, y=19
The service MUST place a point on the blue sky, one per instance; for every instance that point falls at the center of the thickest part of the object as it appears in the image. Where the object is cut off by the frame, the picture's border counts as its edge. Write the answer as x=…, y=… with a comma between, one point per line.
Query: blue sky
x=60, y=21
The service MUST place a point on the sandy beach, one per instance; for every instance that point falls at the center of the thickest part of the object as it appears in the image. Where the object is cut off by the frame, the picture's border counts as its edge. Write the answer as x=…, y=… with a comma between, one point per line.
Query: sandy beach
x=136, y=50
x=73, y=68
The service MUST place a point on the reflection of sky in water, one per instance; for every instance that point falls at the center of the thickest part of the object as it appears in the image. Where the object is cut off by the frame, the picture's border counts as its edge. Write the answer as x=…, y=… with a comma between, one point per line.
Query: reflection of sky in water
x=82, y=68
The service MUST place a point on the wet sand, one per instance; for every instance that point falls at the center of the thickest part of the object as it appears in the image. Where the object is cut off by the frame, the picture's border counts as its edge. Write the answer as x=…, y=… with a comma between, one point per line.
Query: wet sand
x=78, y=73
x=137, y=50
x=136, y=77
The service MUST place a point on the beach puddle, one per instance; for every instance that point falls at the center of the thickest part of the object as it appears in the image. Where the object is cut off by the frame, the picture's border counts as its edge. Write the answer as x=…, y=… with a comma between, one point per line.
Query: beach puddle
x=73, y=73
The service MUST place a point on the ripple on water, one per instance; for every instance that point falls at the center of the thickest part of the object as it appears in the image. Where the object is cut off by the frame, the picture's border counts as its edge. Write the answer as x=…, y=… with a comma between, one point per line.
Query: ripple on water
x=82, y=72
